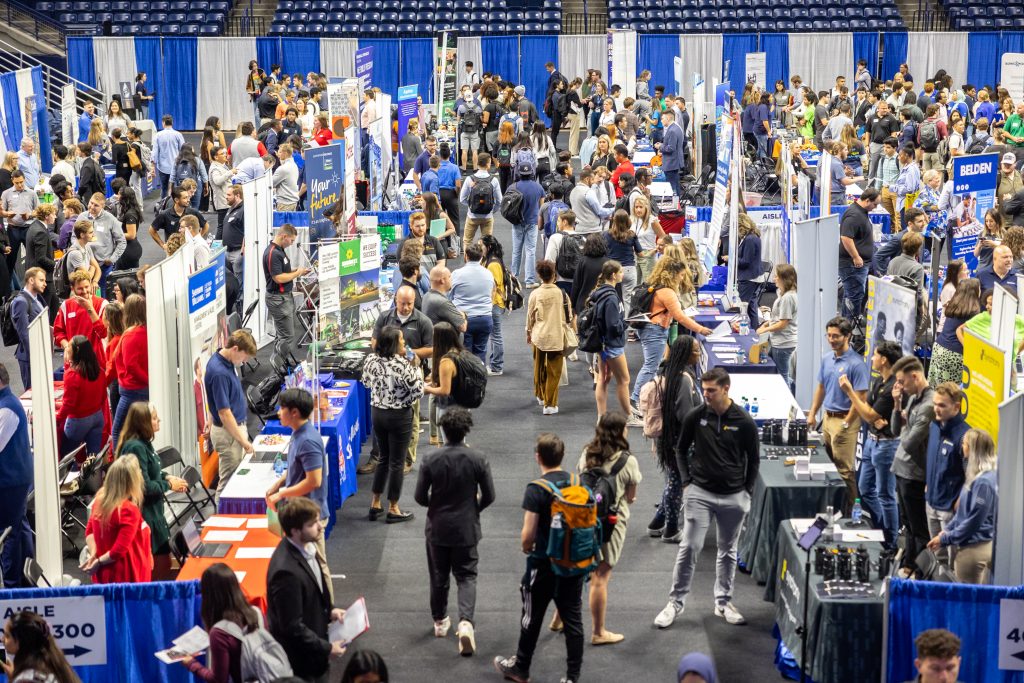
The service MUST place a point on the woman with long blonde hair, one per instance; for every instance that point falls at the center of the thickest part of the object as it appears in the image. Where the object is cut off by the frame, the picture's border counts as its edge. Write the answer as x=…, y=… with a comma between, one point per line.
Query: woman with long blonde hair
x=99, y=140
x=603, y=155
x=648, y=230
x=117, y=538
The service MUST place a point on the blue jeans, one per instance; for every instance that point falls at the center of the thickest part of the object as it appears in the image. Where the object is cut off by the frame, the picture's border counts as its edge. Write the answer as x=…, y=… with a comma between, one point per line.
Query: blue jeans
x=87, y=430
x=855, y=281
x=877, y=486
x=128, y=397
x=496, y=356
x=524, y=241
x=652, y=340
x=781, y=358
x=762, y=145
x=478, y=330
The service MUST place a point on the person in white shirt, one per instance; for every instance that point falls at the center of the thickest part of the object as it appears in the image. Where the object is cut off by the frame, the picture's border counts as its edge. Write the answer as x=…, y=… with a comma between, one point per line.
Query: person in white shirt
x=286, y=179
x=201, y=252
x=472, y=77
x=61, y=165
x=253, y=168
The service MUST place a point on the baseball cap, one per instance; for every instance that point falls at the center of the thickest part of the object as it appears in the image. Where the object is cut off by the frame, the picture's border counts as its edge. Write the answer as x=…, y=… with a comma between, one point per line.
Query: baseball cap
x=520, y=90
x=525, y=169
x=1009, y=158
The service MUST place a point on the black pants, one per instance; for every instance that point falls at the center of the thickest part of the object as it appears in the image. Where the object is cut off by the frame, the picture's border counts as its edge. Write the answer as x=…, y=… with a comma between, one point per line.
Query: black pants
x=539, y=587
x=910, y=496
x=442, y=562
x=449, y=199
x=747, y=290
x=393, y=429
x=556, y=126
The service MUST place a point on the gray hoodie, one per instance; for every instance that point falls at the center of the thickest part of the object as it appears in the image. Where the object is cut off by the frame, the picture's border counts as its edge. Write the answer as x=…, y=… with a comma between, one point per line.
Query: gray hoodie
x=110, y=242
x=912, y=453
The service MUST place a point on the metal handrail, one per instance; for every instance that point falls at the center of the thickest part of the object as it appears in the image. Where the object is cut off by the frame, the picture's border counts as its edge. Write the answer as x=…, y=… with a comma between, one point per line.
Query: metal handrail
x=12, y=59
x=245, y=26
x=579, y=23
x=38, y=25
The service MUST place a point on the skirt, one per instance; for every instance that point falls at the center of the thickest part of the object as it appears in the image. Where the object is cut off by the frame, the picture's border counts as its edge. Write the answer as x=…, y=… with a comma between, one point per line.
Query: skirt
x=946, y=366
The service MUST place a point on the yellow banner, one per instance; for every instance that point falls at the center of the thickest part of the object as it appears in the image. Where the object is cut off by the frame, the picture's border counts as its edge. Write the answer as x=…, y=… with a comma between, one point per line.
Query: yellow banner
x=984, y=383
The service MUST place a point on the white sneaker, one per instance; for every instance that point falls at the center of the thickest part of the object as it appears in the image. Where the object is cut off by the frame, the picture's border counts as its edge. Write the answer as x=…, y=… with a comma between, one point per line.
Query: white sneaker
x=540, y=401
x=668, y=615
x=467, y=638
x=729, y=612
x=635, y=421
x=574, y=356
x=550, y=410
x=495, y=373
x=441, y=627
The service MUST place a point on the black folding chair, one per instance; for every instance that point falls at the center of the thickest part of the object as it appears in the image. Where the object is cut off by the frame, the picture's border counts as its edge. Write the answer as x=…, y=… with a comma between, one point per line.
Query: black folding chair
x=196, y=497
x=33, y=574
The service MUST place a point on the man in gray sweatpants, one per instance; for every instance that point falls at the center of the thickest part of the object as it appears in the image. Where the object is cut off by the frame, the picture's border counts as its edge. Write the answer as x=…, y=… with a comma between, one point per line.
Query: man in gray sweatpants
x=718, y=476
x=277, y=270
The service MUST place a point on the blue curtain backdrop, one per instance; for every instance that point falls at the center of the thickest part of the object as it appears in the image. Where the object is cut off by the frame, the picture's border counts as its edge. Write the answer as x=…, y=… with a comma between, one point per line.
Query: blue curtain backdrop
x=386, y=64
x=81, y=62
x=734, y=50
x=417, y=67
x=894, y=43
x=179, y=81
x=148, y=59
x=775, y=47
x=971, y=612
x=865, y=46
x=299, y=55
x=534, y=52
x=140, y=619
x=657, y=53
x=982, y=58
x=500, y=55
x=1008, y=42
x=42, y=120
x=268, y=52
x=12, y=111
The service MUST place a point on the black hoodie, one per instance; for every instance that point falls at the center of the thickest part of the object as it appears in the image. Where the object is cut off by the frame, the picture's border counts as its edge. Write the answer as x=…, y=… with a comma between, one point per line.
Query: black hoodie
x=726, y=452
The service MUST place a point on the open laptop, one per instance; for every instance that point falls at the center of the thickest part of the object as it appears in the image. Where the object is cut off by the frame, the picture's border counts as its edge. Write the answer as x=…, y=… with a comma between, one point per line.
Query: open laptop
x=196, y=547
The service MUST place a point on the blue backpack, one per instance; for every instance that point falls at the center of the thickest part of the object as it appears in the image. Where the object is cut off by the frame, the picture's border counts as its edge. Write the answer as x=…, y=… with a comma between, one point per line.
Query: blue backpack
x=553, y=208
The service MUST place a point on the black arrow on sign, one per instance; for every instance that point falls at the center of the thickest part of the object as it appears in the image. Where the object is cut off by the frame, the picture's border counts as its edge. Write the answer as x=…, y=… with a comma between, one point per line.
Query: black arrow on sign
x=76, y=651
x=1018, y=655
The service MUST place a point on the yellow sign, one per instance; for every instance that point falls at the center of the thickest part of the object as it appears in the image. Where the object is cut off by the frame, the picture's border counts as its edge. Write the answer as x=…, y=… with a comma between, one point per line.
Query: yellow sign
x=984, y=383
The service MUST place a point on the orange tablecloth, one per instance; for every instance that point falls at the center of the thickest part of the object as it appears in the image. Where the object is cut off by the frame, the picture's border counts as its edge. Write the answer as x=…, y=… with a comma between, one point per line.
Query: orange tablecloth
x=254, y=585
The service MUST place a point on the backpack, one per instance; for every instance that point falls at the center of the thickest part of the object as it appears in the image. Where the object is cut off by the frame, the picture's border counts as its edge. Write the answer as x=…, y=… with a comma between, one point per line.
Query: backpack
x=481, y=197
x=570, y=253
x=552, y=209
x=943, y=150
x=640, y=302
x=263, y=658
x=512, y=206
x=978, y=144
x=512, y=117
x=7, y=329
x=652, y=399
x=928, y=135
x=471, y=118
x=602, y=483
x=62, y=277
x=513, y=290
x=574, y=539
x=470, y=383
x=588, y=328
x=561, y=101
x=186, y=170
x=525, y=157
x=503, y=154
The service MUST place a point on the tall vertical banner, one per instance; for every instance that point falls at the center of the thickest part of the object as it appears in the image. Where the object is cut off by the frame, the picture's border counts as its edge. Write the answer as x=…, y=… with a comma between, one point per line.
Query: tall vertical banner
x=696, y=121
x=349, y=174
x=259, y=211
x=68, y=116
x=974, y=182
x=207, y=324
x=364, y=68
x=44, y=451
x=986, y=382
x=825, y=183
x=445, y=79
x=622, y=60
x=343, y=99
x=891, y=315
x=1012, y=74
x=757, y=69
x=325, y=175
x=407, y=110
x=28, y=127
x=718, y=207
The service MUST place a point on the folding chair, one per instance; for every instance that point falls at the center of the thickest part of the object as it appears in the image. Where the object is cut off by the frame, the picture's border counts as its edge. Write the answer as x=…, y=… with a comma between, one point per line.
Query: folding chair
x=195, y=497
x=33, y=574
x=63, y=473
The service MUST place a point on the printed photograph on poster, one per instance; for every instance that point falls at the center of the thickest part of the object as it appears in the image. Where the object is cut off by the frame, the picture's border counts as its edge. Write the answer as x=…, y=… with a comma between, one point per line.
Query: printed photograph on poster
x=207, y=316
x=445, y=75
x=966, y=227
x=891, y=315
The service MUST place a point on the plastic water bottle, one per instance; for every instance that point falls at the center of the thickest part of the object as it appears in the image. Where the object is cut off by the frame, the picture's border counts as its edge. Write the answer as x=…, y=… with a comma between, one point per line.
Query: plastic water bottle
x=856, y=513
x=753, y=409
x=746, y=404
x=278, y=465
x=744, y=326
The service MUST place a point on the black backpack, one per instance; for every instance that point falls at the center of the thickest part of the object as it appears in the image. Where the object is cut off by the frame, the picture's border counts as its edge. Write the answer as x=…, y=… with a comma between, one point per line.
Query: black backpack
x=570, y=253
x=503, y=154
x=186, y=169
x=513, y=290
x=602, y=484
x=7, y=329
x=512, y=206
x=928, y=135
x=588, y=327
x=978, y=144
x=470, y=382
x=62, y=277
x=481, y=196
x=640, y=303
x=471, y=118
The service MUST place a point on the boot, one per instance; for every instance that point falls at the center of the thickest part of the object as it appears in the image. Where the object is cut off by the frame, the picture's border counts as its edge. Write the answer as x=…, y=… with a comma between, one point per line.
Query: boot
x=370, y=466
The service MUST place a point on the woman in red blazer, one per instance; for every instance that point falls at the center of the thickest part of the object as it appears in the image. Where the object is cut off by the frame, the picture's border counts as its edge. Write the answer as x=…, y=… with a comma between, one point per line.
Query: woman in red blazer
x=131, y=360
x=84, y=398
x=117, y=537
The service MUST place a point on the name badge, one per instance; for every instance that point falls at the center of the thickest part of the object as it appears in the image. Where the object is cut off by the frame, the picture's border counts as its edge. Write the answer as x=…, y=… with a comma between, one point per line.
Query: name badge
x=71, y=315
x=703, y=422
x=99, y=228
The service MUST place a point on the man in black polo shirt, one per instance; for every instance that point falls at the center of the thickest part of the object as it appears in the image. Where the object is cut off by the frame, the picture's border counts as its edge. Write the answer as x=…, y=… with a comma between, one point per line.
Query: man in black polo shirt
x=878, y=127
x=232, y=233
x=168, y=220
x=418, y=332
x=277, y=270
x=856, y=249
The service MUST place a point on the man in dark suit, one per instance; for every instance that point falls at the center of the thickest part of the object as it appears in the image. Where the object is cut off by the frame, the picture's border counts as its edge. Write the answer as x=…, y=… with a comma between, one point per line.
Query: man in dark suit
x=448, y=485
x=24, y=309
x=298, y=600
x=673, y=147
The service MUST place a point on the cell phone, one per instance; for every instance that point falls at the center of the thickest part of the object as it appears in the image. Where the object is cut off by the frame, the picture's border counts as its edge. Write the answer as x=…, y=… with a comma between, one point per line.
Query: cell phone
x=813, y=533
x=243, y=471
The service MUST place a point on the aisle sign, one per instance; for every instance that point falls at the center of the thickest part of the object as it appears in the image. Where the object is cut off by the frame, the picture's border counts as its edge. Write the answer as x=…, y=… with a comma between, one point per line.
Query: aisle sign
x=79, y=625
x=1011, y=634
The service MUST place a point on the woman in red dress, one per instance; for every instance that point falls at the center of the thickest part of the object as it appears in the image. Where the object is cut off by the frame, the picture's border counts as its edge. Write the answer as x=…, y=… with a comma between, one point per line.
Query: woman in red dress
x=117, y=536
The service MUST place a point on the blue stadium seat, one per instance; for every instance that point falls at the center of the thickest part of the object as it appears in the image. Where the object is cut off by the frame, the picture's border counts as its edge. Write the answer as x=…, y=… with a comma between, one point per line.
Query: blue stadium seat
x=317, y=16
x=80, y=7
x=553, y=4
x=552, y=27
x=103, y=6
x=890, y=13
x=821, y=25
x=691, y=26
x=209, y=30
x=314, y=28
x=726, y=13
x=706, y=14
x=298, y=29
x=282, y=17
x=277, y=29
x=818, y=13
x=117, y=6
x=461, y=16
x=195, y=17
x=894, y=24
x=115, y=29
x=730, y=26
x=690, y=14
x=1013, y=11
x=766, y=26
x=334, y=29
x=425, y=17
x=61, y=7
x=407, y=27
x=1018, y=22
x=137, y=6
x=711, y=25
x=384, y=28
x=533, y=27
x=44, y=6
x=802, y=25
x=220, y=6
x=150, y=29
x=131, y=30
x=876, y=24
x=463, y=5
x=785, y=25
x=871, y=12
x=745, y=14
x=514, y=27
x=616, y=15
x=799, y=13
x=322, y=5
x=336, y=5
x=301, y=17
x=303, y=5
x=66, y=18
x=285, y=6
x=336, y=17
x=858, y=24
x=446, y=15
x=177, y=6
x=674, y=26
x=638, y=26
x=190, y=29
x=388, y=16
x=440, y=4
x=407, y=17
x=121, y=18
x=373, y=16
x=461, y=26
x=199, y=6
x=984, y=23
x=445, y=25
x=515, y=15
x=552, y=15
x=1003, y=23
x=656, y=26
x=533, y=15
x=353, y=17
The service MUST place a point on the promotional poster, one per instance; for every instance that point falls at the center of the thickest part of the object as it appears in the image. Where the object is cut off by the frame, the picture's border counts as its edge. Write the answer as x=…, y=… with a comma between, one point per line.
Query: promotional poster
x=974, y=181
x=445, y=74
x=364, y=68
x=350, y=300
x=207, y=319
x=985, y=376
x=891, y=315
x=68, y=116
x=325, y=174
x=408, y=109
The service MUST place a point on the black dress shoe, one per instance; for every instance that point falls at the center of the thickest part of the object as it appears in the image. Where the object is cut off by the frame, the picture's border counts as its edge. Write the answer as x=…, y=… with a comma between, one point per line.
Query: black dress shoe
x=375, y=513
x=392, y=518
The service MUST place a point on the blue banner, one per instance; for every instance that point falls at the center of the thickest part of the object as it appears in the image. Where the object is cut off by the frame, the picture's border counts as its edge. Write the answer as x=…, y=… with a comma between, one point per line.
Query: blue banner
x=975, y=173
x=975, y=178
x=325, y=171
x=364, y=68
x=204, y=285
x=407, y=110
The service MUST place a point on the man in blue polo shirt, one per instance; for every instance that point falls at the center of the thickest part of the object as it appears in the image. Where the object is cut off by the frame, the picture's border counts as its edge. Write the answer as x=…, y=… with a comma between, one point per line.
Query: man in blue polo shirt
x=840, y=421
x=449, y=180
x=226, y=401
x=1000, y=271
x=422, y=162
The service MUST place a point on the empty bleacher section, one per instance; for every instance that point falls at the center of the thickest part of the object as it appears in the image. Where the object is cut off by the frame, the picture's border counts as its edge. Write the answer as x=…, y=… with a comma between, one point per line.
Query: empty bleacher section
x=985, y=15
x=143, y=17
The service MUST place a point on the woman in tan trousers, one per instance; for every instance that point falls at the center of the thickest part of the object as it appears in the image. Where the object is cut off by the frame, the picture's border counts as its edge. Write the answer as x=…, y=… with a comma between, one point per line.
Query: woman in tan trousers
x=546, y=312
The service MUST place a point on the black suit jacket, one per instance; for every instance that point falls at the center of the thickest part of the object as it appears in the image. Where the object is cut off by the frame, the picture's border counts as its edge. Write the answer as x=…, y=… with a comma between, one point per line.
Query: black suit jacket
x=91, y=180
x=448, y=484
x=298, y=610
x=39, y=248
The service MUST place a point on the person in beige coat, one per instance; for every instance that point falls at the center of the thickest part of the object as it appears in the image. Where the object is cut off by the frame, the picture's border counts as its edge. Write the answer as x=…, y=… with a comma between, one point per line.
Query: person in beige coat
x=546, y=312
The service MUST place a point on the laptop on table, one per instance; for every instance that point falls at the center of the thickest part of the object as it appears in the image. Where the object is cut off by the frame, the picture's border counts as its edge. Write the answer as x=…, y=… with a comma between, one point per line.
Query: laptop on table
x=196, y=547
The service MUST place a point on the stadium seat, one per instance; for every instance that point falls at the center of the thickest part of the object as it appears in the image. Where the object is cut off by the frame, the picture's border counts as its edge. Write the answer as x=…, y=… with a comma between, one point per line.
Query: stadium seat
x=44, y=6
x=463, y=5
x=388, y=16
x=461, y=26
x=209, y=30
x=515, y=15
x=858, y=24
x=277, y=29
x=802, y=25
x=691, y=26
x=372, y=17
x=766, y=26
x=321, y=5
x=553, y=4
x=131, y=30
x=303, y=17
x=315, y=16
x=407, y=17
x=178, y=6
x=533, y=27
x=821, y=25
x=220, y=6
x=121, y=18
x=353, y=18
x=984, y=23
x=533, y=15
x=407, y=27
x=446, y=15
x=303, y=5
x=115, y=29
x=298, y=29
x=150, y=29
x=199, y=6
x=785, y=25
x=333, y=29
x=190, y=29
x=894, y=24
x=514, y=27
x=799, y=13
x=706, y=14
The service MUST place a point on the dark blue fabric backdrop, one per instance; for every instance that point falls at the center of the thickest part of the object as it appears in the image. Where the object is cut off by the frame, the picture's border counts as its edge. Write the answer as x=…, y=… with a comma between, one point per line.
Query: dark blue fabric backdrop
x=734, y=50
x=42, y=121
x=141, y=619
x=657, y=53
x=181, y=69
x=268, y=52
x=12, y=111
x=386, y=67
x=500, y=55
x=865, y=46
x=417, y=67
x=775, y=47
x=534, y=52
x=298, y=56
x=148, y=58
x=894, y=43
x=983, y=58
x=81, y=62
x=1008, y=42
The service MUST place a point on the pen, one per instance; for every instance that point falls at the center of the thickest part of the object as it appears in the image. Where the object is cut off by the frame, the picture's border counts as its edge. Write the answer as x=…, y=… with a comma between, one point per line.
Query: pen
x=866, y=538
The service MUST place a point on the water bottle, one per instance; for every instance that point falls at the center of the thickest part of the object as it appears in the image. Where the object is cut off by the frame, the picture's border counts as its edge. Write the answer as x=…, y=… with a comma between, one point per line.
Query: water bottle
x=278, y=465
x=857, y=513
x=744, y=326
x=753, y=409
x=746, y=404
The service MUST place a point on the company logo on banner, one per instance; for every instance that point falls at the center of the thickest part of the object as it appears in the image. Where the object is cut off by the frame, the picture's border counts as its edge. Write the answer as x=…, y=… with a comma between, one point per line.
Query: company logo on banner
x=725, y=149
x=364, y=68
x=891, y=315
x=408, y=109
x=350, y=301
x=445, y=77
x=974, y=182
x=207, y=321
x=984, y=383
x=757, y=69
x=975, y=173
x=1012, y=74
x=325, y=173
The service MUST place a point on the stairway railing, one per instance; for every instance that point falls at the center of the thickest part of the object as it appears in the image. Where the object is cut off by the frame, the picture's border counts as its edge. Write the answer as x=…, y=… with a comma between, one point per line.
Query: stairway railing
x=36, y=24
x=12, y=59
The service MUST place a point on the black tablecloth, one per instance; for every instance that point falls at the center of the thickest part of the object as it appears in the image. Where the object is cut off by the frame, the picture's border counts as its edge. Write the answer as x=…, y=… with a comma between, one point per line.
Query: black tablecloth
x=844, y=635
x=778, y=496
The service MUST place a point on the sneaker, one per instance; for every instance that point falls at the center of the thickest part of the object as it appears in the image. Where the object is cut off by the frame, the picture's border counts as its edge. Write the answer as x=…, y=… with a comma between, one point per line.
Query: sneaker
x=574, y=356
x=495, y=373
x=635, y=421
x=511, y=670
x=657, y=525
x=540, y=401
x=441, y=627
x=550, y=410
x=467, y=638
x=729, y=612
x=672, y=536
x=566, y=680
x=668, y=615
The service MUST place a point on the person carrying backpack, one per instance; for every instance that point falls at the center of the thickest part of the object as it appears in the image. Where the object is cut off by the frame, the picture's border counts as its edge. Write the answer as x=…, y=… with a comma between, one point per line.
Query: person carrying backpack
x=482, y=195
x=565, y=249
x=524, y=230
x=560, y=491
x=188, y=167
x=550, y=209
x=929, y=134
x=470, y=116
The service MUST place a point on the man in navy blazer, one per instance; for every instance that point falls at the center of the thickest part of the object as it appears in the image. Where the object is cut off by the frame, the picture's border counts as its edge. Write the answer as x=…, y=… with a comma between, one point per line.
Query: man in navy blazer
x=672, y=149
x=26, y=306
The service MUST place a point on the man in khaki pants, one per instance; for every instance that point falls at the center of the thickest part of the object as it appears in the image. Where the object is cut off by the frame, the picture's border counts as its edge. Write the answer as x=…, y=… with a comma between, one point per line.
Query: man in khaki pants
x=840, y=421
x=226, y=400
x=478, y=217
